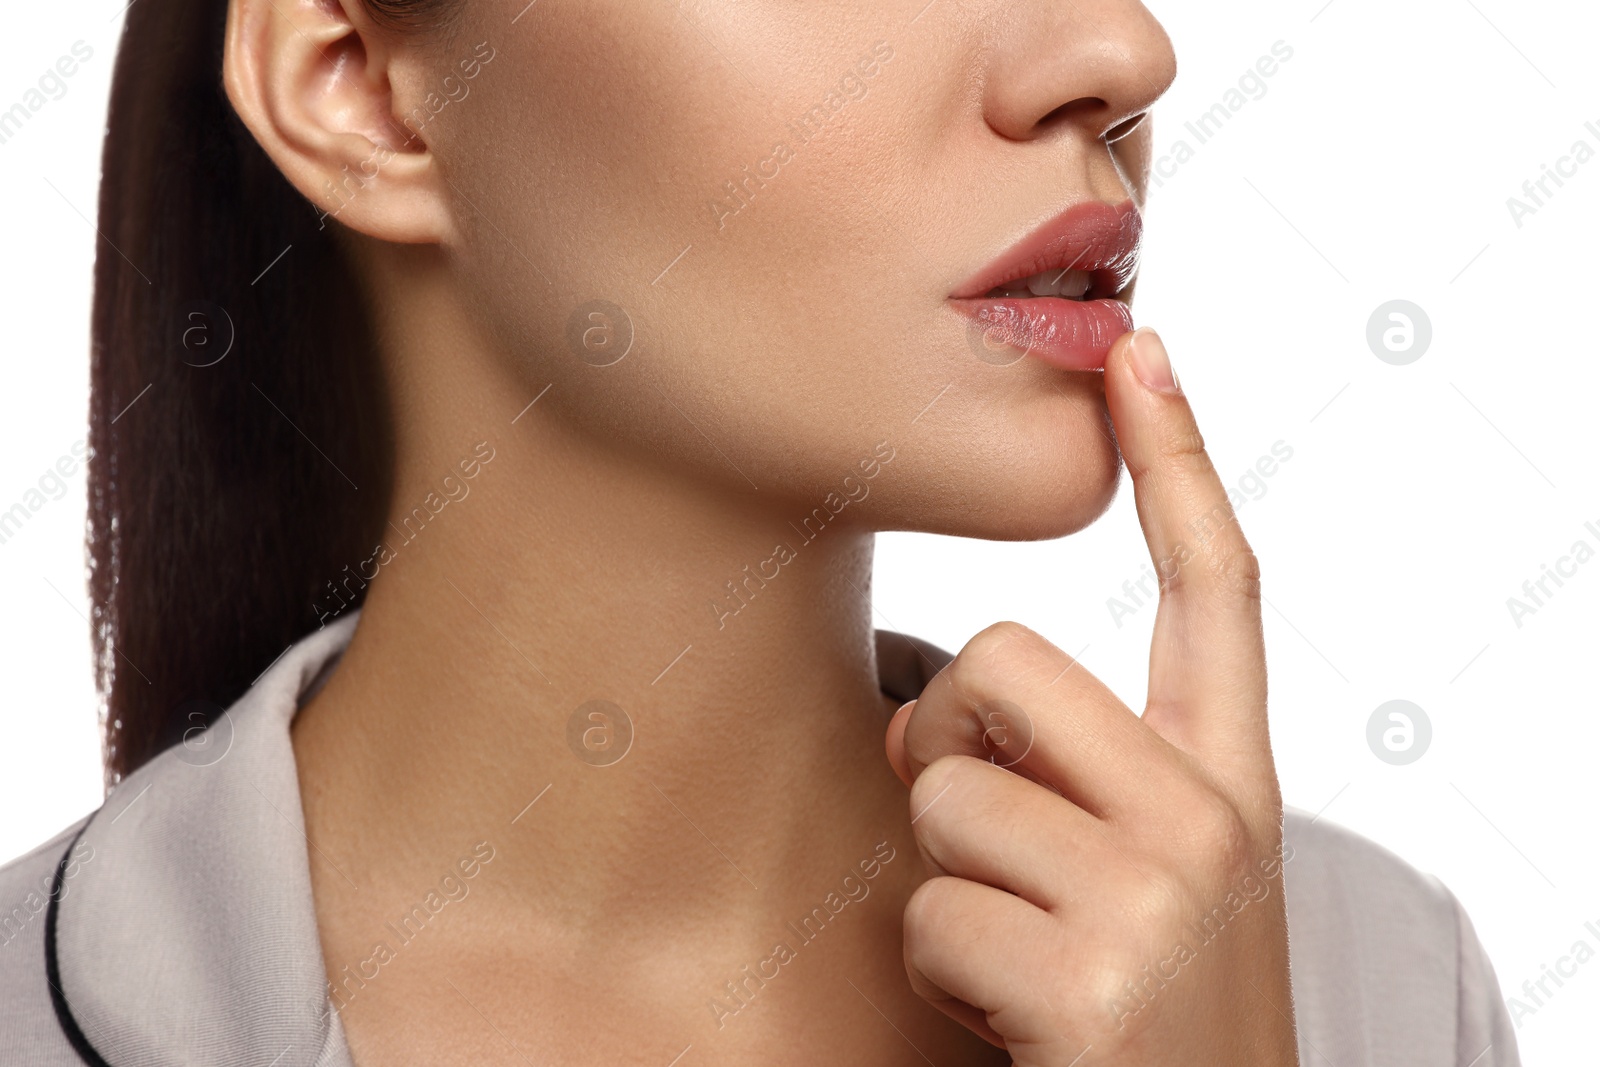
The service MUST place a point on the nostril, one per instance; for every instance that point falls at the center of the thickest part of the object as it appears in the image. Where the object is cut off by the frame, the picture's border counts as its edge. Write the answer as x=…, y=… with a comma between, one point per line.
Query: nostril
x=1085, y=107
x=1125, y=127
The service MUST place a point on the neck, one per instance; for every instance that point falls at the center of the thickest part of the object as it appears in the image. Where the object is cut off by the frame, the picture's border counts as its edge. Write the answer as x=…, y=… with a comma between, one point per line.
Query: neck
x=731, y=639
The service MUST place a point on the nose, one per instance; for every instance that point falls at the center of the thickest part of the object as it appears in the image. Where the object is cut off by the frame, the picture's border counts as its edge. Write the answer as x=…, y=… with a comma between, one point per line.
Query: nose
x=1093, y=65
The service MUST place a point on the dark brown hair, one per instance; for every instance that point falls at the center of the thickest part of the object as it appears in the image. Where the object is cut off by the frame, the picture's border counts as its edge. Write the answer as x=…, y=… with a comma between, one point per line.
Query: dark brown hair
x=240, y=449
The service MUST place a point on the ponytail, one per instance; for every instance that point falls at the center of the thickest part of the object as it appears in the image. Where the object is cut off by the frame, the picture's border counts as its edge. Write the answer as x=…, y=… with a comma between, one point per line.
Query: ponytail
x=240, y=449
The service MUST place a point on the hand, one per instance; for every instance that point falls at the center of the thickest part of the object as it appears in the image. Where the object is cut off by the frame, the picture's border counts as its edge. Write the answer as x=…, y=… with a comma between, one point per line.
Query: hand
x=1104, y=881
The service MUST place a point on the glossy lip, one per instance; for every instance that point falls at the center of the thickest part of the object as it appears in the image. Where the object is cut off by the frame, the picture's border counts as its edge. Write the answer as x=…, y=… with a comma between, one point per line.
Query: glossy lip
x=1103, y=239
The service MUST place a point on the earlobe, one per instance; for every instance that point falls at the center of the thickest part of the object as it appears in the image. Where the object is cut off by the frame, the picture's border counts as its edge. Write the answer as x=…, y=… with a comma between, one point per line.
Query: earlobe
x=311, y=82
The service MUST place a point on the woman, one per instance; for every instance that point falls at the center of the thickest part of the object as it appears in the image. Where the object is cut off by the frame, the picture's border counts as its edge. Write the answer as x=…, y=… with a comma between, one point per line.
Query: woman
x=522, y=387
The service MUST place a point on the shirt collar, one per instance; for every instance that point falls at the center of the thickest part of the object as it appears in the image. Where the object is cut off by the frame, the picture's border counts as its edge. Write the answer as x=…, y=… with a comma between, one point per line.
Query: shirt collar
x=185, y=931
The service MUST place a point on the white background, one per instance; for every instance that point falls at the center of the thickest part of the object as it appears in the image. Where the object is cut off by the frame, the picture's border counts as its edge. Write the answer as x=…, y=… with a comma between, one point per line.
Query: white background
x=1377, y=166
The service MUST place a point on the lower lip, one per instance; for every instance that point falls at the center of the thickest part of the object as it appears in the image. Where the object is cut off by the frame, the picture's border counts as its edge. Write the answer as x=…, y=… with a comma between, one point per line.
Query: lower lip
x=1071, y=334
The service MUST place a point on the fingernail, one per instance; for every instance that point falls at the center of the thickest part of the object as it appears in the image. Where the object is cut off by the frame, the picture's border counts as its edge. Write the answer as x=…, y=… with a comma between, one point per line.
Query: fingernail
x=1151, y=362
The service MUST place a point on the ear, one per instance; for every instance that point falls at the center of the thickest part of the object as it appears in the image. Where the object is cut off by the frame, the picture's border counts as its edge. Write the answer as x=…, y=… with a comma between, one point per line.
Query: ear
x=311, y=81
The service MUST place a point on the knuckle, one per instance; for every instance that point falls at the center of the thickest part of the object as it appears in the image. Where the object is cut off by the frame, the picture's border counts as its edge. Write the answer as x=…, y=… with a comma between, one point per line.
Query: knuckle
x=1184, y=446
x=947, y=917
x=930, y=912
x=995, y=657
x=998, y=640
x=1220, y=836
x=1115, y=993
x=1156, y=897
x=1236, y=571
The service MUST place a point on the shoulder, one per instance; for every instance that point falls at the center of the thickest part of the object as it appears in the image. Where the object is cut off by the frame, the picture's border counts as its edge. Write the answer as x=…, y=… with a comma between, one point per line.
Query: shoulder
x=27, y=886
x=1386, y=965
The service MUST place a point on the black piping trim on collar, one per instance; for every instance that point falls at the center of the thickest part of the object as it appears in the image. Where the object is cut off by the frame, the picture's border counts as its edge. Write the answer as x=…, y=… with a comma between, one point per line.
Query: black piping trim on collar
x=52, y=968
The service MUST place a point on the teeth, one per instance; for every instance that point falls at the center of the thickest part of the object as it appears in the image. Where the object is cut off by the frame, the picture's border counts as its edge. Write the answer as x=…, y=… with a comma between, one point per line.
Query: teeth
x=1071, y=284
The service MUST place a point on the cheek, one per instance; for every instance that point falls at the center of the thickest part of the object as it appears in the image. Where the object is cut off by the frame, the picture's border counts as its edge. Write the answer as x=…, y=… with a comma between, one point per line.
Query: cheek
x=648, y=173
x=788, y=305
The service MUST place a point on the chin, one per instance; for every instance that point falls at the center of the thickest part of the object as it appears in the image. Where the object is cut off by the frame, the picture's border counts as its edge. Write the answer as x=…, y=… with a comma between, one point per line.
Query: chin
x=1049, y=470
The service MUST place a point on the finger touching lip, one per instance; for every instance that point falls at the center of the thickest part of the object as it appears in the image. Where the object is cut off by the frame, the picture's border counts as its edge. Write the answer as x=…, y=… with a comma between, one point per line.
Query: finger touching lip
x=1208, y=684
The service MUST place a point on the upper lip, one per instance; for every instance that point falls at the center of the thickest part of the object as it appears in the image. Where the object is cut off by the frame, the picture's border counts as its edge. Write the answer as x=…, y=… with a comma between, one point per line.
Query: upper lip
x=1092, y=236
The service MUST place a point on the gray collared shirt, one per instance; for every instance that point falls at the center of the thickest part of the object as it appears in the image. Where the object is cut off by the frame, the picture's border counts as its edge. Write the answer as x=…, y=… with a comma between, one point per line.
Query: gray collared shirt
x=175, y=925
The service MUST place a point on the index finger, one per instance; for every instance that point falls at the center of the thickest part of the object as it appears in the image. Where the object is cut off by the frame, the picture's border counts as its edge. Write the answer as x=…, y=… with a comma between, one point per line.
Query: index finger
x=1208, y=685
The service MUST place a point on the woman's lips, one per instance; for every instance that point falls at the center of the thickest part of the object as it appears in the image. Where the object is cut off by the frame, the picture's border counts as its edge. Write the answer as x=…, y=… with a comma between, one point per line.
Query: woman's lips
x=1098, y=238
x=1072, y=334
